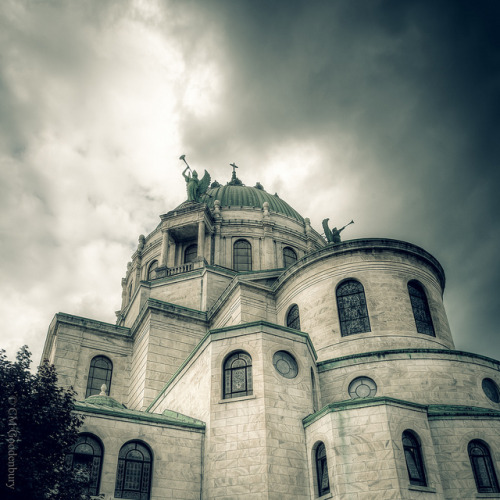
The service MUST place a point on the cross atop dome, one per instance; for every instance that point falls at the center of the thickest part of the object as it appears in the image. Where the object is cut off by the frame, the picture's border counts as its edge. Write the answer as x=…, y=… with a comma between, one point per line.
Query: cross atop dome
x=234, y=180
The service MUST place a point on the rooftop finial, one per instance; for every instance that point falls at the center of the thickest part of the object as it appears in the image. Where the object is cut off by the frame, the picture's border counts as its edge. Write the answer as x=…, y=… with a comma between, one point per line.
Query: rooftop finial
x=234, y=180
x=103, y=390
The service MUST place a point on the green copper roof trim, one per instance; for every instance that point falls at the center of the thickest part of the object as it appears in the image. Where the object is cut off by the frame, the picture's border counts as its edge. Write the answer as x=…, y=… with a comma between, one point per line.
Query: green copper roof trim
x=434, y=412
x=367, y=245
x=99, y=400
x=331, y=364
x=359, y=403
x=240, y=326
x=171, y=418
x=166, y=307
x=439, y=412
x=246, y=196
x=92, y=323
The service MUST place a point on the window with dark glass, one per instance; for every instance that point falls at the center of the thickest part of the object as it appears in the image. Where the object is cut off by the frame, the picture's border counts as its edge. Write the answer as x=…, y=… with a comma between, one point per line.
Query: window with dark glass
x=482, y=467
x=242, y=256
x=293, y=317
x=133, y=475
x=86, y=461
x=322, y=470
x=413, y=457
x=351, y=304
x=101, y=370
x=190, y=253
x=420, y=306
x=152, y=270
x=238, y=375
x=289, y=256
x=490, y=388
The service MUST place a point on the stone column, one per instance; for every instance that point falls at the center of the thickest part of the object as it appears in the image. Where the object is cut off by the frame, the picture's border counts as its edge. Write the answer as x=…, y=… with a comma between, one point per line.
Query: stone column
x=164, y=248
x=201, y=239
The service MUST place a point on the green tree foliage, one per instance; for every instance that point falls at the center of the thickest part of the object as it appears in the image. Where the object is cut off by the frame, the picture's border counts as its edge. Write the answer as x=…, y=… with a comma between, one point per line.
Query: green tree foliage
x=37, y=428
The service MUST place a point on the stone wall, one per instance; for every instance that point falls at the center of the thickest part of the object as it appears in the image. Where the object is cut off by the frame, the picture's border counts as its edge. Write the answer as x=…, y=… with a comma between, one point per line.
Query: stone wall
x=176, y=470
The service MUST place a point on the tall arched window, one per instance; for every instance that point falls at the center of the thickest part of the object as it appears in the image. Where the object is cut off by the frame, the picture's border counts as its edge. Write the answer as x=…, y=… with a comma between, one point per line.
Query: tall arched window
x=133, y=475
x=322, y=470
x=152, y=270
x=482, y=467
x=314, y=390
x=101, y=370
x=242, y=256
x=413, y=457
x=351, y=304
x=130, y=291
x=289, y=256
x=238, y=375
x=190, y=253
x=293, y=317
x=420, y=306
x=85, y=459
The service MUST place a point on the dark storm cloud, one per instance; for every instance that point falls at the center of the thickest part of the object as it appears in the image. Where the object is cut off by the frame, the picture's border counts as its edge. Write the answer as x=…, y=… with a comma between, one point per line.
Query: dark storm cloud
x=385, y=112
x=414, y=85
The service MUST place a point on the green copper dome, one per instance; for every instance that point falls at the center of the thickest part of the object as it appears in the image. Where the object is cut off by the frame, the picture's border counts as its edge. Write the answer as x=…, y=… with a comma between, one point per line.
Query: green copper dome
x=246, y=196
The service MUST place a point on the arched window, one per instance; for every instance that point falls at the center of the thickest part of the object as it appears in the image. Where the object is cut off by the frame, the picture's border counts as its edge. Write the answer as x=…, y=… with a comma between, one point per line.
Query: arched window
x=314, y=392
x=420, y=306
x=293, y=317
x=242, y=256
x=152, y=270
x=322, y=470
x=289, y=256
x=101, y=370
x=413, y=456
x=133, y=475
x=85, y=459
x=190, y=253
x=351, y=304
x=130, y=291
x=482, y=467
x=238, y=375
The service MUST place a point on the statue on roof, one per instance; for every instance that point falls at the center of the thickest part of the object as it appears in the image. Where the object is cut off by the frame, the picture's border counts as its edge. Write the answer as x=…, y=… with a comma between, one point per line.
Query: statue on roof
x=194, y=186
x=333, y=236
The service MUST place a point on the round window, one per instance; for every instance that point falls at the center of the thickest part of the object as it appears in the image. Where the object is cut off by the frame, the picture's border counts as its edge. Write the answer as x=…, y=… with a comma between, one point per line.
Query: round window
x=490, y=388
x=362, y=387
x=285, y=364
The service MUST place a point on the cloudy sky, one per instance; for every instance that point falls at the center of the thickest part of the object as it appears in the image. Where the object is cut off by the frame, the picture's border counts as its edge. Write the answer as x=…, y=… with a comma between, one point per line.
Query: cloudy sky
x=385, y=112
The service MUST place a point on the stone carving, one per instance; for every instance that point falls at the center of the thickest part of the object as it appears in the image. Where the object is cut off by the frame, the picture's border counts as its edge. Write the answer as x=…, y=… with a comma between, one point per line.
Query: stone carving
x=333, y=236
x=195, y=187
x=142, y=242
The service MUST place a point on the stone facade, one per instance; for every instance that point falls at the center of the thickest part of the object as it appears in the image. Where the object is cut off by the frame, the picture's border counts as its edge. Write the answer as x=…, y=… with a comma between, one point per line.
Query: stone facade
x=233, y=399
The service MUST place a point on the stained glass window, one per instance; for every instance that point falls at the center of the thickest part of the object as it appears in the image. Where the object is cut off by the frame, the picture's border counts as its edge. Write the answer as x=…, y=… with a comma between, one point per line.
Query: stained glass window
x=86, y=460
x=133, y=475
x=482, y=467
x=289, y=256
x=362, y=387
x=490, y=388
x=152, y=270
x=190, y=253
x=420, y=306
x=285, y=364
x=242, y=256
x=322, y=470
x=238, y=375
x=101, y=370
x=293, y=317
x=351, y=303
x=413, y=456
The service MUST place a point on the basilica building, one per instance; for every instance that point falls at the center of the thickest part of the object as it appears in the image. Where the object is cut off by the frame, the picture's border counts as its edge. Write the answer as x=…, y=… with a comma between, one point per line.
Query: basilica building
x=254, y=359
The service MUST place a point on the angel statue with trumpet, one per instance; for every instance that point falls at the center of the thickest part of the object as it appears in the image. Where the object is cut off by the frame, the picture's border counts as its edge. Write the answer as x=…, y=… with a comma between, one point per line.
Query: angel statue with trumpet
x=333, y=236
x=195, y=188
